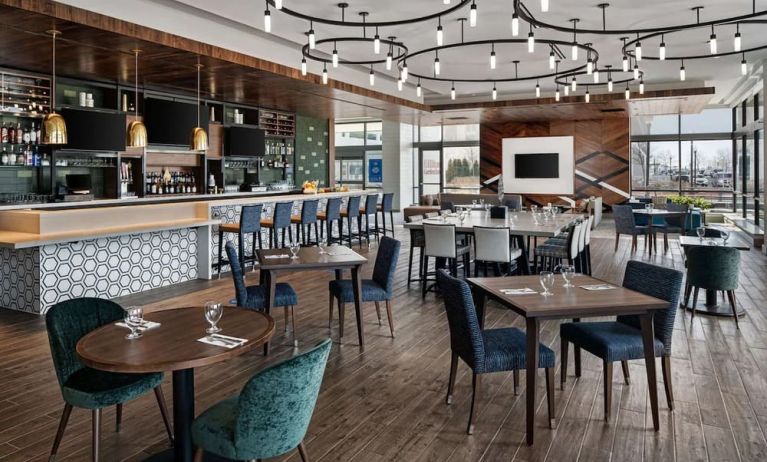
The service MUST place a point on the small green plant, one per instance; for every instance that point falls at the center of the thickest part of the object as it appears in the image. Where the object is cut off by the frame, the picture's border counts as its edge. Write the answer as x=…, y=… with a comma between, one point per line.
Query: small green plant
x=698, y=202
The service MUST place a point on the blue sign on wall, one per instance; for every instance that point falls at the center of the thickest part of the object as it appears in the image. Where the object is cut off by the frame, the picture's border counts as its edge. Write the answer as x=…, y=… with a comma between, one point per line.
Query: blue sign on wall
x=375, y=170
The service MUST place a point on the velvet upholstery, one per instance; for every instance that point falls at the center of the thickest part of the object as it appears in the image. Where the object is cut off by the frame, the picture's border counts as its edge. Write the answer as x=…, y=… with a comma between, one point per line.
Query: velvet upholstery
x=250, y=218
x=387, y=203
x=713, y=268
x=309, y=211
x=371, y=204
x=254, y=297
x=513, y=202
x=270, y=416
x=621, y=340
x=333, y=209
x=380, y=287
x=626, y=222
x=282, y=213
x=484, y=351
x=67, y=322
x=352, y=207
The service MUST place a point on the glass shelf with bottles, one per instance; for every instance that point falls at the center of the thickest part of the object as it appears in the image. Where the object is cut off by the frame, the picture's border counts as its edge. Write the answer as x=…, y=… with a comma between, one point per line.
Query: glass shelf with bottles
x=19, y=145
x=24, y=95
x=170, y=183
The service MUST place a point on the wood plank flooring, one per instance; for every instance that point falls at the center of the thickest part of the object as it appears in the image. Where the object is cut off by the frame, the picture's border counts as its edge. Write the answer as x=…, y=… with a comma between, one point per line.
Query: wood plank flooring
x=387, y=403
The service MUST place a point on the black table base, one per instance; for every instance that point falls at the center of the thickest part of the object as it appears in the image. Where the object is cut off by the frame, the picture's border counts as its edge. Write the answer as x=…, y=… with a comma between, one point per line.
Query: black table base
x=711, y=306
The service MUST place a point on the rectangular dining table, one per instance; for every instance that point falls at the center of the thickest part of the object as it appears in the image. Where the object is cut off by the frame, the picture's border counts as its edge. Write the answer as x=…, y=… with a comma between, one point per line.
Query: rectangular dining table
x=568, y=303
x=337, y=258
x=652, y=213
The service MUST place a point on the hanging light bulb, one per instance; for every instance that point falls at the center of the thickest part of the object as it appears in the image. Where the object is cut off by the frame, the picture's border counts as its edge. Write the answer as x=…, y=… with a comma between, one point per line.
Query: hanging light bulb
x=404, y=74
x=514, y=25
x=418, y=90
x=278, y=4
x=662, y=50
x=136, y=135
x=445, y=2
x=596, y=75
x=567, y=90
x=473, y=15
x=303, y=66
x=440, y=35
x=682, y=72
x=389, y=58
x=492, y=57
x=610, y=84
x=588, y=97
x=312, y=38
x=537, y=90
x=744, y=66
x=325, y=74
x=452, y=92
x=589, y=66
x=530, y=41
x=54, y=129
x=436, y=66
x=495, y=93
x=556, y=94
x=636, y=71
x=574, y=84
x=372, y=76
x=625, y=63
x=638, y=51
x=641, y=87
x=544, y=5
x=399, y=84
x=552, y=59
x=712, y=41
x=377, y=43
x=199, y=138
x=574, y=51
x=627, y=92
x=736, y=42
x=335, y=57
x=267, y=19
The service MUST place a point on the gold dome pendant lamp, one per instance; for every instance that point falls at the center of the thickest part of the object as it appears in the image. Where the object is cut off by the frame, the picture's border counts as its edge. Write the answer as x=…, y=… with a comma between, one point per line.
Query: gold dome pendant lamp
x=199, y=140
x=54, y=127
x=136, y=135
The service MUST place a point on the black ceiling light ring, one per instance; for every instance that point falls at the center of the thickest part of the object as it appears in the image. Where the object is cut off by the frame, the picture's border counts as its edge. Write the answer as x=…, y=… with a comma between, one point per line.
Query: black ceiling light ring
x=524, y=14
x=517, y=78
x=401, y=50
x=562, y=78
x=399, y=22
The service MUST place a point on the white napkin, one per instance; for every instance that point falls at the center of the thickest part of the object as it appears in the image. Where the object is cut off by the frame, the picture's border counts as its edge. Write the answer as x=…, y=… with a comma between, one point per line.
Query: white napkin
x=598, y=287
x=146, y=325
x=222, y=340
x=282, y=255
x=523, y=291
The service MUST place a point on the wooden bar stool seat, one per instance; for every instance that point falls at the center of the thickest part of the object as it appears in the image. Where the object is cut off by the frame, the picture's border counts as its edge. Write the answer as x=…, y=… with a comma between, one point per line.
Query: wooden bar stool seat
x=230, y=227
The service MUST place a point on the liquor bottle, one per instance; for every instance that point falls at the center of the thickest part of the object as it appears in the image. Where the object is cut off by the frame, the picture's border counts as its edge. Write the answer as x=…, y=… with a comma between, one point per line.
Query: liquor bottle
x=4, y=158
x=33, y=135
x=11, y=134
x=38, y=133
x=26, y=135
x=154, y=185
x=19, y=134
x=4, y=132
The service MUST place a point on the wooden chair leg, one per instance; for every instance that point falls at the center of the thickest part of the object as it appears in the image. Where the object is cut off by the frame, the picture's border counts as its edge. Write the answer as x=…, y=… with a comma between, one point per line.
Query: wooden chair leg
x=451, y=378
x=302, y=452
x=626, y=374
x=330, y=310
x=731, y=296
x=60, y=432
x=608, y=384
x=164, y=412
x=515, y=375
x=694, y=300
x=341, y=309
x=293, y=324
x=96, y=435
x=563, y=359
x=118, y=417
x=475, y=392
x=550, y=397
x=389, y=316
x=199, y=454
x=378, y=312
x=666, y=368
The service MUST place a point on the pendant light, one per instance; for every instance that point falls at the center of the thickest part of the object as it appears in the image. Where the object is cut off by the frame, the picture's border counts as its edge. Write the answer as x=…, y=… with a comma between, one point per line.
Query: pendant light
x=303, y=67
x=377, y=43
x=325, y=74
x=136, y=136
x=641, y=87
x=452, y=92
x=712, y=41
x=372, y=76
x=537, y=90
x=574, y=84
x=682, y=72
x=473, y=14
x=744, y=65
x=556, y=94
x=436, y=63
x=492, y=57
x=312, y=37
x=440, y=35
x=625, y=63
x=404, y=73
x=636, y=71
x=199, y=136
x=567, y=90
x=399, y=84
x=596, y=75
x=495, y=92
x=531, y=41
x=638, y=51
x=628, y=92
x=278, y=4
x=544, y=6
x=54, y=126
x=589, y=66
x=552, y=59
x=588, y=97
x=514, y=25
x=662, y=49
x=418, y=88
x=267, y=19
x=335, y=55
x=737, y=41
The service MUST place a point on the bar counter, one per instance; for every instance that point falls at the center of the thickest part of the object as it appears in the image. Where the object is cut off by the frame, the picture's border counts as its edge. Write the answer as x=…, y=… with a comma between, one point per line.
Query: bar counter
x=53, y=252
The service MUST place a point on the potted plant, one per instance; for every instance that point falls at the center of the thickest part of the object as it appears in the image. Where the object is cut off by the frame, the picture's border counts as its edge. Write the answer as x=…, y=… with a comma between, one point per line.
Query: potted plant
x=693, y=202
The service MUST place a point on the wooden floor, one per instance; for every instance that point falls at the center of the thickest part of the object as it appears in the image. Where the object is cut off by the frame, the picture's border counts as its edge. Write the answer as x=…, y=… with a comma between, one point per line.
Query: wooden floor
x=388, y=402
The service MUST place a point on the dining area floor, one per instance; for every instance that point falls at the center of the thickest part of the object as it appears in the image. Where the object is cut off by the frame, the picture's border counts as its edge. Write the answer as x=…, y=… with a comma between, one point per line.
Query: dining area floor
x=387, y=402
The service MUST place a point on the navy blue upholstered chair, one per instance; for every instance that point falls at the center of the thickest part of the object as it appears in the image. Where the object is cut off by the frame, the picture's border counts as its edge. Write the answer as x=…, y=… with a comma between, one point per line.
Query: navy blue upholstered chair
x=254, y=297
x=67, y=322
x=351, y=212
x=305, y=221
x=386, y=206
x=332, y=214
x=621, y=340
x=513, y=202
x=715, y=269
x=625, y=223
x=371, y=208
x=674, y=224
x=250, y=223
x=486, y=351
x=280, y=221
x=378, y=289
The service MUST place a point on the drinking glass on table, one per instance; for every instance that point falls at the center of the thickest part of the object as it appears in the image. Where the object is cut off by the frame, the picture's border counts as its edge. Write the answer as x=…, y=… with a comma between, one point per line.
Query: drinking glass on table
x=294, y=247
x=134, y=318
x=700, y=231
x=725, y=235
x=568, y=272
x=322, y=243
x=547, y=282
x=213, y=313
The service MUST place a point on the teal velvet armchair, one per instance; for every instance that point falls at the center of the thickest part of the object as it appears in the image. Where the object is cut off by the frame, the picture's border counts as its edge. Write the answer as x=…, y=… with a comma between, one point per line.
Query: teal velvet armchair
x=712, y=269
x=67, y=322
x=271, y=414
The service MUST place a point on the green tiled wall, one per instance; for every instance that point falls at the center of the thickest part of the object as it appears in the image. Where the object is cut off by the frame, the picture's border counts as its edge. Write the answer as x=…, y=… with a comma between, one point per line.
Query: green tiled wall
x=311, y=150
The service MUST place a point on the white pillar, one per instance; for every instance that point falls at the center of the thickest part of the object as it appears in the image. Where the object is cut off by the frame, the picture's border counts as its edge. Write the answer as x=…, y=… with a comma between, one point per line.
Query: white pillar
x=398, y=162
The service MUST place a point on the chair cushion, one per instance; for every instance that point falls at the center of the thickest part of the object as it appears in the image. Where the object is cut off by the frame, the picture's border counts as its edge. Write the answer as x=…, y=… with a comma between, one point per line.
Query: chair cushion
x=505, y=351
x=229, y=227
x=343, y=290
x=284, y=295
x=559, y=251
x=213, y=430
x=611, y=341
x=94, y=389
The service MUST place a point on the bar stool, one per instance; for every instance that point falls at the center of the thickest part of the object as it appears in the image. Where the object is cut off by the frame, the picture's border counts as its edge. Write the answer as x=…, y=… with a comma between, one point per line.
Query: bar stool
x=352, y=211
x=307, y=218
x=280, y=221
x=332, y=214
x=386, y=206
x=371, y=208
x=250, y=223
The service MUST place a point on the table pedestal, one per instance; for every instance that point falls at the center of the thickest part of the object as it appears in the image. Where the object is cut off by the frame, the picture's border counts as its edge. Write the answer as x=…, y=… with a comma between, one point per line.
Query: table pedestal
x=712, y=307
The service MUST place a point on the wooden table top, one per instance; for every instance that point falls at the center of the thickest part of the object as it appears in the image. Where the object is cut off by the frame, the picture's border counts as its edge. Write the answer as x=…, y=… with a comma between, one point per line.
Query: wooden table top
x=695, y=241
x=523, y=223
x=564, y=302
x=173, y=345
x=310, y=258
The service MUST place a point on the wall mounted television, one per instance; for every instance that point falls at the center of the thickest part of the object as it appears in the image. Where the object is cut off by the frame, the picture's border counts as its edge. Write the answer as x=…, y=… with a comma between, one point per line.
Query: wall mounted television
x=171, y=122
x=89, y=130
x=539, y=165
x=244, y=142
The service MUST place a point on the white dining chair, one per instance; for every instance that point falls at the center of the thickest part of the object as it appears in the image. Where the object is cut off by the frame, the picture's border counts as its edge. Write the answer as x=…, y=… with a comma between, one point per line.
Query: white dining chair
x=551, y=255
x=440, y=244
x=492, y=247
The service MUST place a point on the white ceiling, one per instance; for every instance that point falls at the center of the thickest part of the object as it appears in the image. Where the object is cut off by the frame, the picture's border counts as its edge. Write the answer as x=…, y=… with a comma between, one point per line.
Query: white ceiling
x=494, y=18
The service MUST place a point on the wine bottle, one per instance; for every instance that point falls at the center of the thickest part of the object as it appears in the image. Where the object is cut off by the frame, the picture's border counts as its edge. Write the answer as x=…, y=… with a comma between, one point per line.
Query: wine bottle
x=19, y=134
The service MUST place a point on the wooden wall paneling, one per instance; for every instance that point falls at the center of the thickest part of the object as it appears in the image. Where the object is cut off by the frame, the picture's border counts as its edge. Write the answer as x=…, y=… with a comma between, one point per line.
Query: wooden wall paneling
x=215, y=141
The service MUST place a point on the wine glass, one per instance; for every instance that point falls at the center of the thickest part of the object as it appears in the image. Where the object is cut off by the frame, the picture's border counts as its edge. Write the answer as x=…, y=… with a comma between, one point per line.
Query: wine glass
x=725, y=235
x=134, y=317
x=213, y=313
x=568, y=272
x=700, y=231
x=322, y=243
x=547, y=282
x=294, y=247
x=462, y=216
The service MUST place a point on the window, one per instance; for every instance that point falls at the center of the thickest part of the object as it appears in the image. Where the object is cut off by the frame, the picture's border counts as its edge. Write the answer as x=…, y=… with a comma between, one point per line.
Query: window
x=716, y=120
x=655, y=125
x=452, y=133
x=663, y=171
x=359, y=161
x=431, y=134
x=449, y=159
x=350, y=134
x=461, y=169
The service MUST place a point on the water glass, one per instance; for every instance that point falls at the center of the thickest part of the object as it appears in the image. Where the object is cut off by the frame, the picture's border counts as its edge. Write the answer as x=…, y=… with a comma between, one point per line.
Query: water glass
x=547, y=282
x=213, y=313
x=322, y=243
x=134, y=318
x=294, y=247
x=568, y=272
x=700, y=231
x=725, y=235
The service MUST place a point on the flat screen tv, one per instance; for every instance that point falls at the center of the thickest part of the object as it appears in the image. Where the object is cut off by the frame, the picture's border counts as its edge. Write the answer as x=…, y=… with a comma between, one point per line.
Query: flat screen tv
x=171, y=122
x=89, y=130
x=539, y=165
x=244, y=141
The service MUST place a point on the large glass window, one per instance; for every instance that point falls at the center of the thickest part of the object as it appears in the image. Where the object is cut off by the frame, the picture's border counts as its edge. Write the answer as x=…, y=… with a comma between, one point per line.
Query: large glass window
x=714, y=120
x=359, y=161
x=461, y=169
x=350, y=134
x=449, y=159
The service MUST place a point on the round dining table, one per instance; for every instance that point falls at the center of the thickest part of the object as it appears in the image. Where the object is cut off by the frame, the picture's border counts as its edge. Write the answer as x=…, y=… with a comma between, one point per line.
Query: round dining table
x=174, y=346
